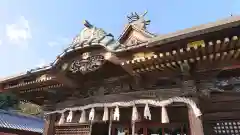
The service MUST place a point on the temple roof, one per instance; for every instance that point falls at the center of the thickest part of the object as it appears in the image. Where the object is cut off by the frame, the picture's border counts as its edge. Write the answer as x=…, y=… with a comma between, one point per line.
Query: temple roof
x=87, y=39
x=138, y=23
x=16, y=121
x=229, y=22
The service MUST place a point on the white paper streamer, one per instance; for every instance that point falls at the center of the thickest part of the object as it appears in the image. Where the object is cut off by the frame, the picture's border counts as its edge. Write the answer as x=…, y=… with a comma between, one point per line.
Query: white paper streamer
x=134, y=113
x=70, y=116
x=91, y=114
x=83, y=117
x=116, y=115
x=147, y=113
x=62, y=119
x=105, y=114
x=165, y=118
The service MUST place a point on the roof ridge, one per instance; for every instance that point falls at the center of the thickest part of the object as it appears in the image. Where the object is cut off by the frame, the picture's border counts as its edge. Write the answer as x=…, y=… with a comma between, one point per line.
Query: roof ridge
x=19, y=114
x=200, y=27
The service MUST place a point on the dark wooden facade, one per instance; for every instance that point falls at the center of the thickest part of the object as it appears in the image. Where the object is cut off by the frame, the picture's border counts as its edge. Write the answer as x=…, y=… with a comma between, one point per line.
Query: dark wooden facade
x=191, y=76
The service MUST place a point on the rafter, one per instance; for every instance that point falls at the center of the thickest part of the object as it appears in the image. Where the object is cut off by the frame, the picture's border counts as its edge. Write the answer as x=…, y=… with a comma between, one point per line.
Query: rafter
x=62, y=78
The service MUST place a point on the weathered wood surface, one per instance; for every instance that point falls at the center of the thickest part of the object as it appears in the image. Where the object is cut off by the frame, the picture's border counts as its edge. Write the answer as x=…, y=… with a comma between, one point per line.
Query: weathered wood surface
x=222, y=116
x=151, y=94
x=221, y=106
x=49, y=125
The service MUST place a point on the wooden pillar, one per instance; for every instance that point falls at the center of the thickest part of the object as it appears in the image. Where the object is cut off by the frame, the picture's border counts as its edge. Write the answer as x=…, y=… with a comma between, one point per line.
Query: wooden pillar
x=195, y=123
x=187, y=80
x=49, y=125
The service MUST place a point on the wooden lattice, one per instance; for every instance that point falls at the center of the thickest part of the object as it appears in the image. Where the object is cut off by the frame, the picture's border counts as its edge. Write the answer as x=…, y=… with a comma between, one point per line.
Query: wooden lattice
x=72, y=130
x=226, y=128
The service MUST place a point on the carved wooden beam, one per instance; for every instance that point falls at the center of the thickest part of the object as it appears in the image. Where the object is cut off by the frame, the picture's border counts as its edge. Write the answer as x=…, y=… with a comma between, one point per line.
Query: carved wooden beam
x=188, y=82
x=202, y=54
x=236, y=66
x=218, y=106
x=115, y=60
x=161, y=94
x=222, y=115
x=62, y=78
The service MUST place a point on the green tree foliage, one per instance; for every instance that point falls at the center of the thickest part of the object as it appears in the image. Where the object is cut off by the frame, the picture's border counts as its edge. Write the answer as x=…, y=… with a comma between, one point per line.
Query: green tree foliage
x=29, y=108
x=8, y=101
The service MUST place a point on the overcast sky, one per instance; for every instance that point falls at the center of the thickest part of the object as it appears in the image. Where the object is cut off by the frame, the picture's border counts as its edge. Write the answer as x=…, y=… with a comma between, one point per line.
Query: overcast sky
x=34, y=32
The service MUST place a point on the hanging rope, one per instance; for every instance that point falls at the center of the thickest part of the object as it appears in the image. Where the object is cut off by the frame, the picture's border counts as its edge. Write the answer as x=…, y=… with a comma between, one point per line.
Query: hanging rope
x=116, y=115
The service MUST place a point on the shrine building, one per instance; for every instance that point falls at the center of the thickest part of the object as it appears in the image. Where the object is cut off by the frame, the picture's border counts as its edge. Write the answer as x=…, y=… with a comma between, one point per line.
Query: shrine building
x=181, y=83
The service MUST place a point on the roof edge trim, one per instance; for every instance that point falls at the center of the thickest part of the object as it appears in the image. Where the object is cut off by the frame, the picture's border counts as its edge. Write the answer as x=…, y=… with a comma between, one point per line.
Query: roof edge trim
x=197, y=30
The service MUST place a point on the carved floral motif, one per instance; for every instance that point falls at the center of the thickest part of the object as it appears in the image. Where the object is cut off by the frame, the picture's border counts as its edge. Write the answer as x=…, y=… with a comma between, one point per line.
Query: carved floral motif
x=134, y=41
x=87, y=64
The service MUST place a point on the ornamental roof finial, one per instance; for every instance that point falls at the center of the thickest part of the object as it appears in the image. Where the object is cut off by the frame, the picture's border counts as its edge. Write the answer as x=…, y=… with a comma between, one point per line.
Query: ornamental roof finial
x=87, y=24
x=145, y=12
x=138, y=20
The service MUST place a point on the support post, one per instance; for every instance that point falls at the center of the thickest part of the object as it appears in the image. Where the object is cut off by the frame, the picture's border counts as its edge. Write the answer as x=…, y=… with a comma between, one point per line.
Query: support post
x=189, y=87
x=49, y=125
x=110, y=122
x=195, y=123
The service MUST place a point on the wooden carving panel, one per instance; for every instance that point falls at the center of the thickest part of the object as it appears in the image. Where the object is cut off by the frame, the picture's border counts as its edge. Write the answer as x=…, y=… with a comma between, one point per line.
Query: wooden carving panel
x=87, y=63
x=135, y=38
x=73, y=130
x=188, y=86
x=133, y=41
x=105, y=88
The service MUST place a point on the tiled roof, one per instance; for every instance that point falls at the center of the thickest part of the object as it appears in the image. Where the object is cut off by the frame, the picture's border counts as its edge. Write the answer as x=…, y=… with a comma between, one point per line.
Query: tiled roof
x=16, y=121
